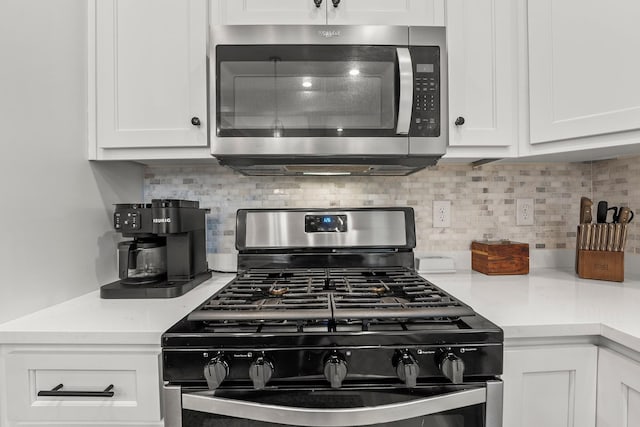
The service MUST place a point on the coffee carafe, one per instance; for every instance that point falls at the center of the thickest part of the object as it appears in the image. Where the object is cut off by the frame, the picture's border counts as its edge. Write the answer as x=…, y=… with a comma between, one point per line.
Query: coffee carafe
x=167, y=256
x=142, y=261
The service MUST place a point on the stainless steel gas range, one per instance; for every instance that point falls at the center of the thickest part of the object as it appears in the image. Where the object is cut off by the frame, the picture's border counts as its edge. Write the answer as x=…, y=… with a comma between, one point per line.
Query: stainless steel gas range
x=328, y=324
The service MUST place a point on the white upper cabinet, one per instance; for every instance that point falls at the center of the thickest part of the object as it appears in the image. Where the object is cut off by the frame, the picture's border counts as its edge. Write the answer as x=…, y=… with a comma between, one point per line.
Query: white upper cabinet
x=339, y=12
x=482, y=38
x=150, y=71
x=583, y=68
x=268, y=12
x=385, y=12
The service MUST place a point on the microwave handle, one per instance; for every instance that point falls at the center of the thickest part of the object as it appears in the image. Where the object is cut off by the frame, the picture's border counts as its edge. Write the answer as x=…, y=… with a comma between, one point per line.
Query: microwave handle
x=205, y=403
x=405, y=102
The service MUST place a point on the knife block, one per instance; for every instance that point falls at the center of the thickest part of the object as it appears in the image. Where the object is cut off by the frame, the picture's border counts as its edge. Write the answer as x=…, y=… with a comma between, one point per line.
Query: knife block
x=601, y=265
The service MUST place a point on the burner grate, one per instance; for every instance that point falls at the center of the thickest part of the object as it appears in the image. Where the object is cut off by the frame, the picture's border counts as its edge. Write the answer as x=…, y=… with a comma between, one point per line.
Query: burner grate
x=391, y=293
x=330, y=295
x=267, y=294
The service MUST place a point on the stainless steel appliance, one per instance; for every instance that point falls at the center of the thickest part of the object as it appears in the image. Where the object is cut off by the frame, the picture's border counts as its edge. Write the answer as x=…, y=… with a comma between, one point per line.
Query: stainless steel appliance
x=328, y=324
x=167, y=256
x=360, y=100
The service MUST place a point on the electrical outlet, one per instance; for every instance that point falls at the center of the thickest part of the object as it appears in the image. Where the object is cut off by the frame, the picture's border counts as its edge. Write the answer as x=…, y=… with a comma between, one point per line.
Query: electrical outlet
x=441, y=213
x=524, y=212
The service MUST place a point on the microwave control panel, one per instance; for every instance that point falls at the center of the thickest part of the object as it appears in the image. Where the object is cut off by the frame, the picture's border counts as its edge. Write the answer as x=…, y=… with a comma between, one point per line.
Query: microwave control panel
x=425, y=119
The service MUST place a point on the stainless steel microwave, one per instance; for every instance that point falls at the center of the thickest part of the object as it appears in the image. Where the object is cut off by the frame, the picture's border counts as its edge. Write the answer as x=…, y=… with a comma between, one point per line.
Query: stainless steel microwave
x=334, y=100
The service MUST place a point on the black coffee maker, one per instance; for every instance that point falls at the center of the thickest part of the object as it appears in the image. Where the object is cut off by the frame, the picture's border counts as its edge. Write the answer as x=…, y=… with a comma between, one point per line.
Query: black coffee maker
x=167, y=256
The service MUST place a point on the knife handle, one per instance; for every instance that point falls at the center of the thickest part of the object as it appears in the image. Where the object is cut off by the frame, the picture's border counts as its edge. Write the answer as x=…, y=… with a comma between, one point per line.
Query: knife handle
x=585, y=210
x=623, y=239
x=610, y=236
x=617, y=238
x=595, y=246
x=601, y=215
x=625, y=216
x=578, y=245
x=602, y=244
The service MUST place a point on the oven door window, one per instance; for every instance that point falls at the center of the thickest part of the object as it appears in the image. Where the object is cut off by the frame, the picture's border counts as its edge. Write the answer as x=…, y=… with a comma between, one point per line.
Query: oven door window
x=306, y=91
x=398, y=408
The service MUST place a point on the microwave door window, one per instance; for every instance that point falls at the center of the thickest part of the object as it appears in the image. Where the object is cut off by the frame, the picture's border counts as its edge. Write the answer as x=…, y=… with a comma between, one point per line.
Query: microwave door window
x=282, y=97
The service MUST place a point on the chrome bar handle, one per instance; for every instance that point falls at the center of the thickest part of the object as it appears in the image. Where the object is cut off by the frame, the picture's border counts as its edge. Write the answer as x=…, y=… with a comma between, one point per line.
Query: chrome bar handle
x=344, y=417
x=405, y=102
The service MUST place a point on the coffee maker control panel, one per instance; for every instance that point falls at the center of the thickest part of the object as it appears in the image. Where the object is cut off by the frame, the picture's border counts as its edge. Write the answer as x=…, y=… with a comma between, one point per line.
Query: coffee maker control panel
x=132, y=218
x=124, y=221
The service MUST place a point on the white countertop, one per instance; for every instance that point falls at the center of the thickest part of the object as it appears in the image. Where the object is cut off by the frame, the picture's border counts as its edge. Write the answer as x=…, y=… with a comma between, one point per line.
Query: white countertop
x=545, y=303
x=551, y=303
x=88, y=319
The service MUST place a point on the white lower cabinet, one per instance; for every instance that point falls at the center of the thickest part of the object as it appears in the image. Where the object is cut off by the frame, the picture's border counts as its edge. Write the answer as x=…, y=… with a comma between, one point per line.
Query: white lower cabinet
x=550, y=386
x=618, y=390
x=131, y=375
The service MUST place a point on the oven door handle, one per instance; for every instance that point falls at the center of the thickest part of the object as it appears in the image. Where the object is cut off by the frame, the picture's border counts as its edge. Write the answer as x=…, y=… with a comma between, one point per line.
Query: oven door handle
x=204, y=402
x=405, y=102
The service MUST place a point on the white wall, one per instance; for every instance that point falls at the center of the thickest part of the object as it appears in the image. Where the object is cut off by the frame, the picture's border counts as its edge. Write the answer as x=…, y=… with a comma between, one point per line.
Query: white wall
x=57, y=240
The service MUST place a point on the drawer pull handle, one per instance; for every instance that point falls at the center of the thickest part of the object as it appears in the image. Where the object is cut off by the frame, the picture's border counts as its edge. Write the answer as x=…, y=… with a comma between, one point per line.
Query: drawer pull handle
x=58, y=392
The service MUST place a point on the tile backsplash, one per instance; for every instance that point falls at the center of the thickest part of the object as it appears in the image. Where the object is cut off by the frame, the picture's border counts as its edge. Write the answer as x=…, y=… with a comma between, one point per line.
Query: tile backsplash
x=618, y=182
x=483, y=198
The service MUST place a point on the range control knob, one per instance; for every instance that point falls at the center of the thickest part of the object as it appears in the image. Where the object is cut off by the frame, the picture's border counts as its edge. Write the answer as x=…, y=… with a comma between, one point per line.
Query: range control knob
x=452, y=367
x=335, y=370
x=260, y=372
x=408, y=369
x=216, y=371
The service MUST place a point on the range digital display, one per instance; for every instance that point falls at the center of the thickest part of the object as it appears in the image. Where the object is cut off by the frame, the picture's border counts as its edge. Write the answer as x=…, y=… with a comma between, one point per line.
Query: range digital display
x=325, y=223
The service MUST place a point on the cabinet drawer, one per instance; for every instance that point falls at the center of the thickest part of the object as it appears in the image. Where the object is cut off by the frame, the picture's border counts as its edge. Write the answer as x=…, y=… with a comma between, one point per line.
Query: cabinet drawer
x=135, y=379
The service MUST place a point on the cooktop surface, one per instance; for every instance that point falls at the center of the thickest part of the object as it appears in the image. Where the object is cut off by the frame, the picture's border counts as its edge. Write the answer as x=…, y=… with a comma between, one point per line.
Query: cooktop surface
x=309, y=305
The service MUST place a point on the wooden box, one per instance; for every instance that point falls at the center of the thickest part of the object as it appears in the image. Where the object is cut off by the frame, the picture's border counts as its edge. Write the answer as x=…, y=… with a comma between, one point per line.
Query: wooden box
x=601, y=265
x=500, y=257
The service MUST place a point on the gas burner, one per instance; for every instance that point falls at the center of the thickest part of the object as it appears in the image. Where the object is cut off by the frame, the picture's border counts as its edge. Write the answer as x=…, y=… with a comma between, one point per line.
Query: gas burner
x=278, y=291
x=380, y=290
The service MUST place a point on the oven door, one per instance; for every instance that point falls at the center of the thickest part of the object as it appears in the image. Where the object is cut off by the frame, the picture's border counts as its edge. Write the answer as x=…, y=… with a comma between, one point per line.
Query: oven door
x=478, y=405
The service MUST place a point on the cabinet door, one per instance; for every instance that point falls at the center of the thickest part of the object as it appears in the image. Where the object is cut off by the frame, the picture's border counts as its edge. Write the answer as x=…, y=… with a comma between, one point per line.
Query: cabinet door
x=385, y=12
x=550, y=387
x=151, y=73
x=483, y=67
x=618, y=390
x=583, y=68
x=268, y=12
x=135, y=378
